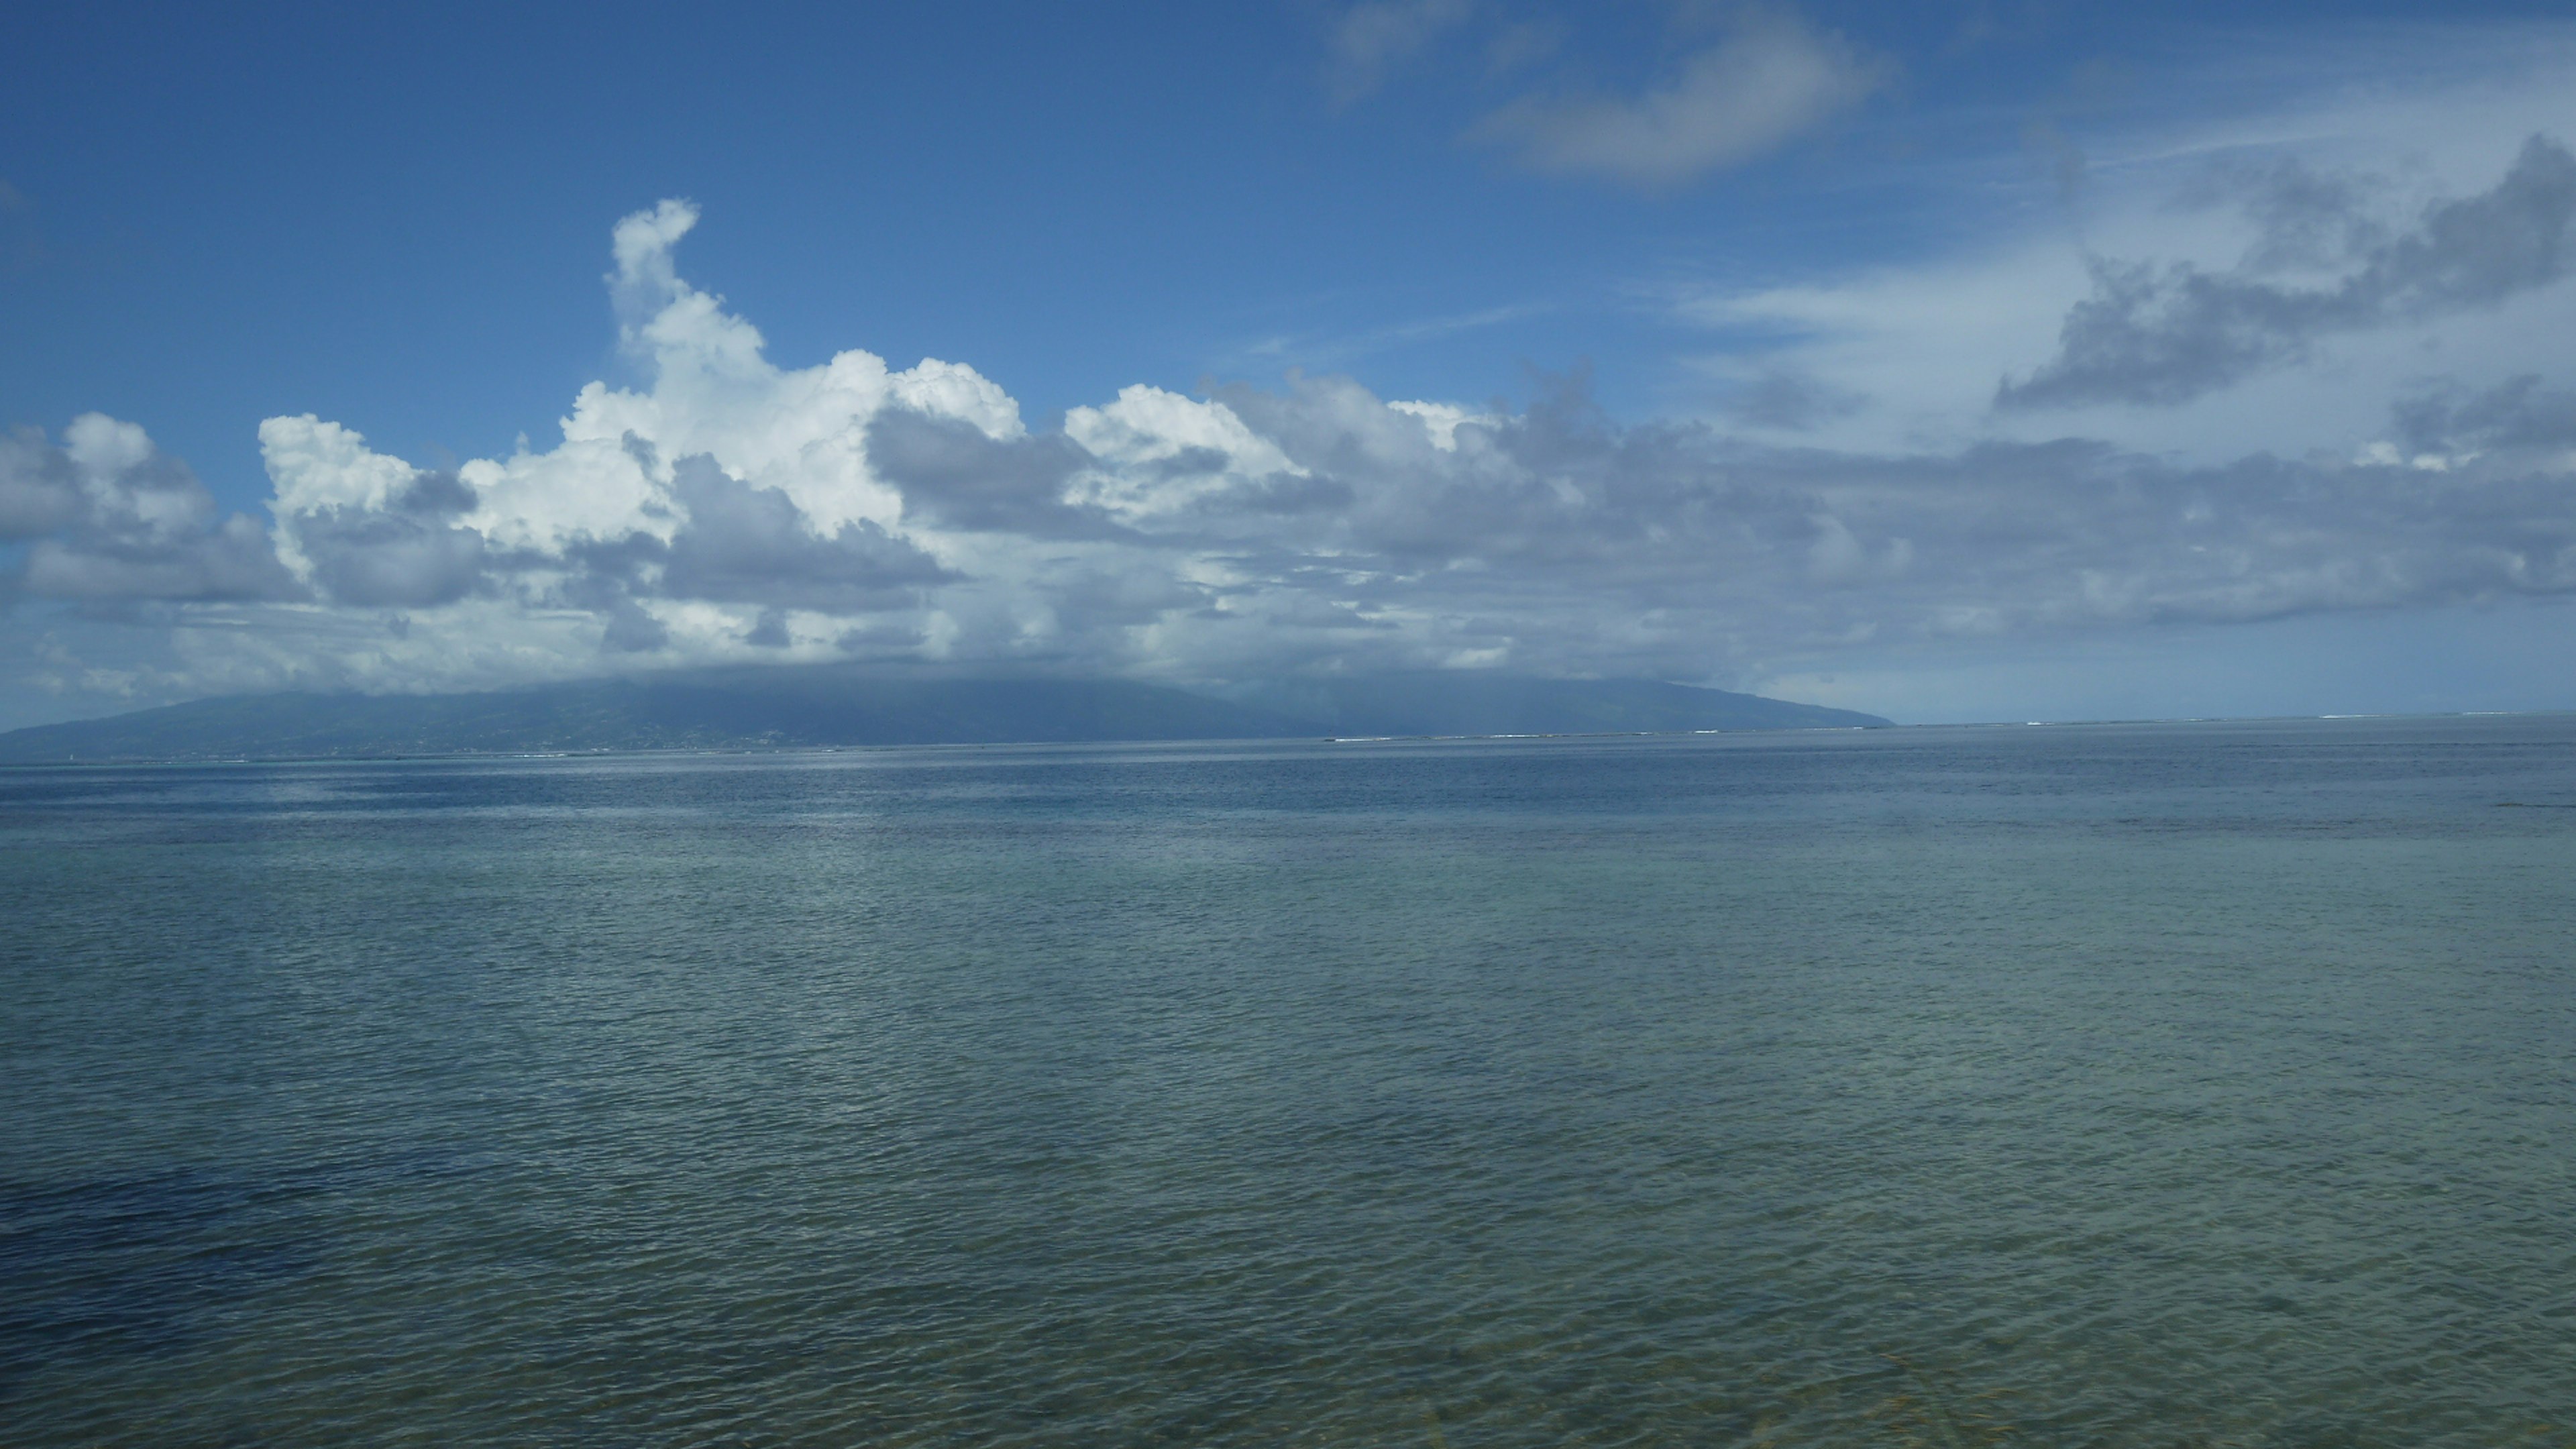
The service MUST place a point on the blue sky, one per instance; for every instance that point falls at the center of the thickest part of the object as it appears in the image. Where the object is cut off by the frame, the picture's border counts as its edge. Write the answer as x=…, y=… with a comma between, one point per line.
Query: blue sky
x=1955, y=362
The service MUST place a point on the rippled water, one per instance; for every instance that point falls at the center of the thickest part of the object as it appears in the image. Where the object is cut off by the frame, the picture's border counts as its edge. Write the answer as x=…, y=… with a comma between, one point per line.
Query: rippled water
x=2163, y=1085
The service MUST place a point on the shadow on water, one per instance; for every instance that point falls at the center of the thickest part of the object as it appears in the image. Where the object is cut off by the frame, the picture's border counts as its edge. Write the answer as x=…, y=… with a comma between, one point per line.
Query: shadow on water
x=126, y=1267
x=137, y=1266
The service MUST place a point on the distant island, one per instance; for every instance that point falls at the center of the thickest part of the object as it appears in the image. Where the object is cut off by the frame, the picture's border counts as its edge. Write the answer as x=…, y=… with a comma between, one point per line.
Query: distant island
x=795, y=707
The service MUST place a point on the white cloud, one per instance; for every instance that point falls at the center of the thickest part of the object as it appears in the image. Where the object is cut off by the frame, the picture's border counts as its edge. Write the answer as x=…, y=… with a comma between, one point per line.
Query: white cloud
x=1164, y=453
x=115, y=521
x=1775, y=79
x=1442, y=421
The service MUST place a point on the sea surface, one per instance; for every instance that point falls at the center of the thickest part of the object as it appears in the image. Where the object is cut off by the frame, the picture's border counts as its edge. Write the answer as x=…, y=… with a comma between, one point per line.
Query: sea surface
x=2193, y=1084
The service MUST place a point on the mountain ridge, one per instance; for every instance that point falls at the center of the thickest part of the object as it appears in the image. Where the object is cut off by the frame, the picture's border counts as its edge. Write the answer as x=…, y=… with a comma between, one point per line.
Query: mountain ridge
x=786, y=706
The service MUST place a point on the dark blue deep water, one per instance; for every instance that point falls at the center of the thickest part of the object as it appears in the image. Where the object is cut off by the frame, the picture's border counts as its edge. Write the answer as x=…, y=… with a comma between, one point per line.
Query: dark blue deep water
x=2145, y=1085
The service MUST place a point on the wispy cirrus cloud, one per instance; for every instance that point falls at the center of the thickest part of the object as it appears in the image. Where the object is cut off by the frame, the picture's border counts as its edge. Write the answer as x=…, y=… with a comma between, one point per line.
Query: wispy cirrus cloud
x=1371, y=39
x=1336, y=350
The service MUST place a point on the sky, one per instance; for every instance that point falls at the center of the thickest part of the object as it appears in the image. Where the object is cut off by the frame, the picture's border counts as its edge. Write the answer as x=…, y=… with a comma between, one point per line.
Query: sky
x=1950, y=361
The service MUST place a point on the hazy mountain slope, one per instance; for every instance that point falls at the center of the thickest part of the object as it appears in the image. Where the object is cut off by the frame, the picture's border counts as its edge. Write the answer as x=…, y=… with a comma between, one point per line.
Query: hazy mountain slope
x=770, y=707
x=1462, y=702
x=790, y=706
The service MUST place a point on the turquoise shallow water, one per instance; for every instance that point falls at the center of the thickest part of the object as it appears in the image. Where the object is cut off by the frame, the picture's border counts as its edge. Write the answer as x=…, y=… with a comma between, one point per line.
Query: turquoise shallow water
x=2156, y=1085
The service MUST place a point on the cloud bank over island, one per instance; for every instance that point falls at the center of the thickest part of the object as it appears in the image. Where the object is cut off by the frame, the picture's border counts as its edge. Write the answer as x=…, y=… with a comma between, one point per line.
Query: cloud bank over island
x=725, y=509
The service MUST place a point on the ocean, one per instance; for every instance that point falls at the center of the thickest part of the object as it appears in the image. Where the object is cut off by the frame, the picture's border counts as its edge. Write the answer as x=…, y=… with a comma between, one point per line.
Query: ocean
x=2172, y=1084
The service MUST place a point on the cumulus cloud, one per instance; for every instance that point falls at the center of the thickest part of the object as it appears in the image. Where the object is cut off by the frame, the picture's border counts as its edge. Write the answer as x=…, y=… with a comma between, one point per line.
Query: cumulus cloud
x=114, y=520
x=400, y=557
x=39, y=486
x=363, y=529
x=955, y=474
x=702, y=511
x=1774, y=79
x=2155, y=335
x=753, y=545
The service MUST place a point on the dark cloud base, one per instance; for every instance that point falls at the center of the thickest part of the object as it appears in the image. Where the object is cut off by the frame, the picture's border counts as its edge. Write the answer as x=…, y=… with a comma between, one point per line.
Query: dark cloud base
x=2159, y=336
